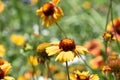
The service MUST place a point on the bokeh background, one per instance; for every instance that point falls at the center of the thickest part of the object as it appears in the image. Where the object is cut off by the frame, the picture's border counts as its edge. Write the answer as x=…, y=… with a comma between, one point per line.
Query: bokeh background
x=83, y=20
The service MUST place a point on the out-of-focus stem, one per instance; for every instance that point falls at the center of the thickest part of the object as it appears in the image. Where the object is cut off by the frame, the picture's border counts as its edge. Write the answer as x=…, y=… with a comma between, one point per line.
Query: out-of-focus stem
x=61, y=30
x=49, y=72
x=67, y=70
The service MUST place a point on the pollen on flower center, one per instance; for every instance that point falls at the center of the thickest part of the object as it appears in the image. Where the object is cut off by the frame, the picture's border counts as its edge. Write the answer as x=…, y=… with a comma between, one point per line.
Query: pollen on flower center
x=1, y=74
x=48, y=9
x=67, y=45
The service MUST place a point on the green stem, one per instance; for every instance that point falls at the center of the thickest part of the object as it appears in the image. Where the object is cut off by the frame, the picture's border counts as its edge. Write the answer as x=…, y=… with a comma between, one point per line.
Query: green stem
x=117, y=42
x=61, y=29
x=33, y=74
x=67, y=70
x=107, y=17
x=86, y=63
x=49, y=72
x=106, y=45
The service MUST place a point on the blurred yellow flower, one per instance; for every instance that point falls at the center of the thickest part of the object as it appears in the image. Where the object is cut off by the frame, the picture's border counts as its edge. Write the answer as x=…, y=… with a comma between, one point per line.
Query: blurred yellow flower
x=50, y=13
x=83, y=76
x=2, y=50
x=66, y=50
x=33, y=60
x=86, y=5
x=4, y=70
x=22, y=78
x=1, y=6
x=75, y=67
x=115, y=28
x=17, y=39
x=33, y=2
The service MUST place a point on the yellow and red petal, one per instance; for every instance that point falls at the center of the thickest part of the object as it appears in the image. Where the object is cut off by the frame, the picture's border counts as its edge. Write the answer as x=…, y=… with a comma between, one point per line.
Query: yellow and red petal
x=55, y=1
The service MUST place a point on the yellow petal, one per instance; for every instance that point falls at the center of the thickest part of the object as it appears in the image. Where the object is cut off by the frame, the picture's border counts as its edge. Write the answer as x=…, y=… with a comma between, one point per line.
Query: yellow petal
x=52, y=50
x=39, y=11
x=6, y=67
x=8, y=78
x=59, y=57
x=54, y=16
x=94, y=77
x=68, y=56
x=81, y=49
x=65, y=56
x=55, y=1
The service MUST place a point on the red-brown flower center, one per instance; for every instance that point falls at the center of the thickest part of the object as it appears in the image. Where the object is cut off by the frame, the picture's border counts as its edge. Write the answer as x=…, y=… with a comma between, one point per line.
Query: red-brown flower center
x=1, y=74
x=48, y=9
x=117, y=26
x=1, y=62
x=67, y=45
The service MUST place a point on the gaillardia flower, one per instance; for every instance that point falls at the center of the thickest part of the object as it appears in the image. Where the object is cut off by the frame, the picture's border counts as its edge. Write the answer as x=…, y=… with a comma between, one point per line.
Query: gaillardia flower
x=83, y=76
x=66, y=50
x=113, y=65
x=108, y=36
x=50, y=13
x=94, y=47
x=4, y=70
x=115, y=27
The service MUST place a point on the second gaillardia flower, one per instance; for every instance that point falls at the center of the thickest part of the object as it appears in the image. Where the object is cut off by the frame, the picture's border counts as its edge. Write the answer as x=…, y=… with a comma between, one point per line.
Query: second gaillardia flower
x=50, y=13
x=66, y=50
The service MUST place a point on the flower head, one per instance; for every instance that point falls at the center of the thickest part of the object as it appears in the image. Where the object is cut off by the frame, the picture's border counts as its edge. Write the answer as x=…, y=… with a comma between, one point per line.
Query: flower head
x=86, y=5
x=113, y=65
x=83, y=76
x=17, y=39
x=115, y=27
x=2, y=50
x=94, y=47
x=66, y=50
x=50, y=13
x=4, y=70
x=108, y=36
x=43, y=56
